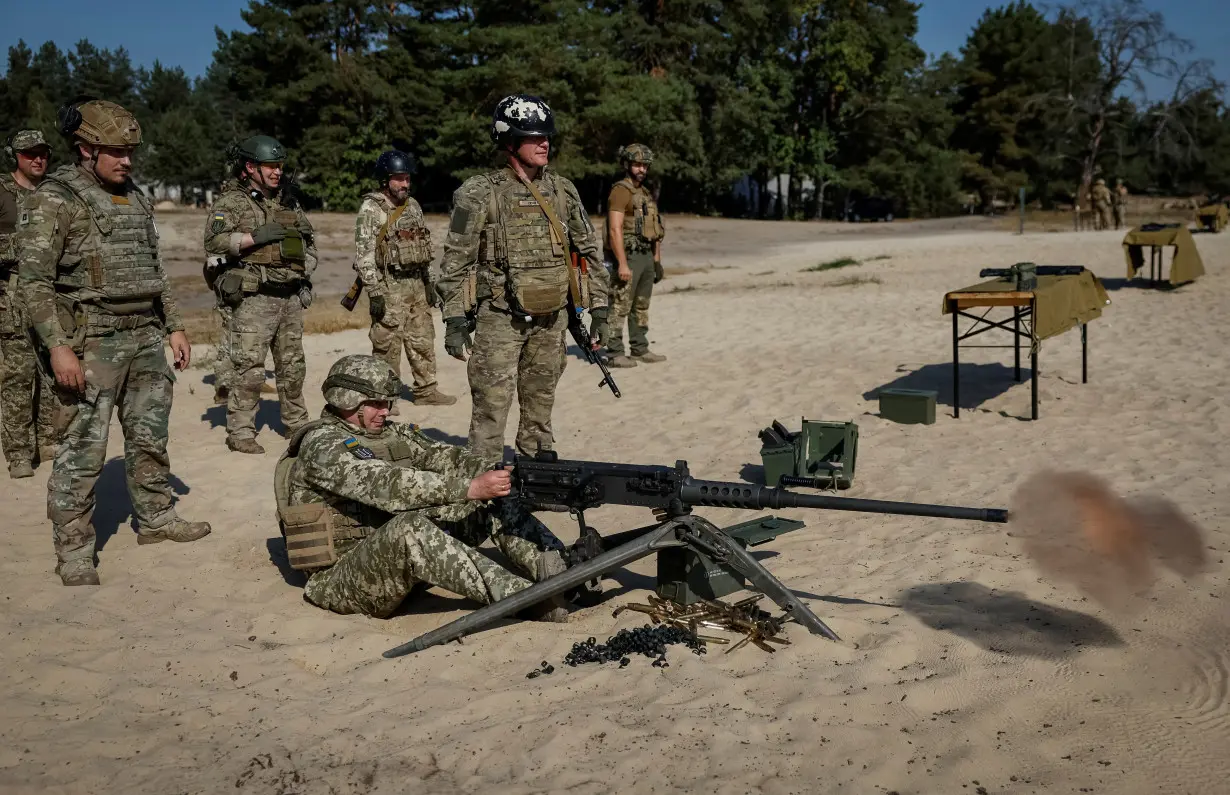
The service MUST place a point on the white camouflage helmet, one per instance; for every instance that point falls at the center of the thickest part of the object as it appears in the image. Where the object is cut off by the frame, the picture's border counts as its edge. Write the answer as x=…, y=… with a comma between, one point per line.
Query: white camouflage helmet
x=520, y=116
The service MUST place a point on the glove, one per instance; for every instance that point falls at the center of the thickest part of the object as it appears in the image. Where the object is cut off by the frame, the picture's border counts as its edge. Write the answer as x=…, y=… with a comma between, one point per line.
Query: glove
x=658, y=273
x=597, y=324
x=305, y=295
x=375, y=303
x=456, y=336
x=269, y=233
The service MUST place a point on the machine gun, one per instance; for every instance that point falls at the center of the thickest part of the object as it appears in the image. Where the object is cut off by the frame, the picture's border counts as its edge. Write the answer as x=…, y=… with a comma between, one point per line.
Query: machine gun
x=1026, y=274
x=671, y=492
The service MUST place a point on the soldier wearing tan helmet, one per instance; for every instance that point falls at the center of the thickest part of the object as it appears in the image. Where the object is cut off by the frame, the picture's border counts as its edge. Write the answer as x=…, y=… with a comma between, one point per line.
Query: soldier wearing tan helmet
x=1101, y=198
x=99, y=302
x=634, y=248
x=27, y=403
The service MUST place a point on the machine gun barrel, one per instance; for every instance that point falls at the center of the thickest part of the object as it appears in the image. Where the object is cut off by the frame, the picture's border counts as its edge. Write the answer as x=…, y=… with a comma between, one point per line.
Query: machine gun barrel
x=720, y=494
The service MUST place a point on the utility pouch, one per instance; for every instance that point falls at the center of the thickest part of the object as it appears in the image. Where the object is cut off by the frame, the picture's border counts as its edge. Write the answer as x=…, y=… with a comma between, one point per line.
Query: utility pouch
x=308, y=530
x=541, y=291
x=231, y=287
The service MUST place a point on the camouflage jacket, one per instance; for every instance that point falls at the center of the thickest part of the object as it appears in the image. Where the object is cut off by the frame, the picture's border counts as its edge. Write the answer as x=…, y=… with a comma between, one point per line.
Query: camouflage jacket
x=238, y=211
x=373, y=213
x=407, y=472
x=472, y=213
x=55, y=236
x=12, y=197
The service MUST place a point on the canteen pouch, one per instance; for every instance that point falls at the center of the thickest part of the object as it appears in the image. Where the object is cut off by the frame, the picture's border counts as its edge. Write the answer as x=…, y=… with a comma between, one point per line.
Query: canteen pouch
x=538, y=291
x=308, y=530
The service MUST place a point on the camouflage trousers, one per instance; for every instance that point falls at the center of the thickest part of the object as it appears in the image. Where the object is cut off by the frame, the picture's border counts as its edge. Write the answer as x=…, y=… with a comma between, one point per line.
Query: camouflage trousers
x=438, y=547
x=630, y=303
x=125, y=371
x=224, y=371
x=1120, y=216
x=407, y=323
x=27, y=397
x=510, y=356
x=266, y=323
x=1102, y=215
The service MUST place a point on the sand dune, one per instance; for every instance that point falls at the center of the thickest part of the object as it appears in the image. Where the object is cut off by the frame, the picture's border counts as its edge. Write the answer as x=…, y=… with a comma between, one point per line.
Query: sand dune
x=199, y=669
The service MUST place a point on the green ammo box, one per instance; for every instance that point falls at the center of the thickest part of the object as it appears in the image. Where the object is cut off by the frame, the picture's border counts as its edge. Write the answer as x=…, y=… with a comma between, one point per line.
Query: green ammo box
x=908, y=406
x=686, y=576
x=821, y=445
x=778, y=460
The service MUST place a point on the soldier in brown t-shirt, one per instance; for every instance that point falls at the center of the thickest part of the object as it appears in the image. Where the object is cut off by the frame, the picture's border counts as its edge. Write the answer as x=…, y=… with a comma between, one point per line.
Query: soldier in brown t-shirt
x=634, y=240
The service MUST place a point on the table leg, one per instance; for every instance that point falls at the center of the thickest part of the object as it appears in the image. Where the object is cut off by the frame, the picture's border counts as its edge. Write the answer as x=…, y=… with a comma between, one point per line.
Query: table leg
x=1084, y=353
x=1033, y=365
x=956, y=365
x=1016, y=340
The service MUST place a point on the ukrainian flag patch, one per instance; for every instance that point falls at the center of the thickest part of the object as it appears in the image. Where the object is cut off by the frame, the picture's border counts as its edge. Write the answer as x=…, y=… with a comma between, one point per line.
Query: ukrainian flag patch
x=358, y=450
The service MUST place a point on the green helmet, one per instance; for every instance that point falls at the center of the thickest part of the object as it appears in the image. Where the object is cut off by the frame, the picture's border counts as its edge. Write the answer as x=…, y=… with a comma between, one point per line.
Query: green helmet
x=359, y=377
x=259, y=149
x=635, y=153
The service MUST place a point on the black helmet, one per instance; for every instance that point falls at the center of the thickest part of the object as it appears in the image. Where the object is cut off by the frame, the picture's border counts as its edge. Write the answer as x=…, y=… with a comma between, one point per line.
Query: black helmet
x=393, y=162
x=520, y=116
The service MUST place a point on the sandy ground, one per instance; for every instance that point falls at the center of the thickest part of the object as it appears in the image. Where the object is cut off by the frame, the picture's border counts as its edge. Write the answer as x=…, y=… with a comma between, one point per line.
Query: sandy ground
x=199, y=668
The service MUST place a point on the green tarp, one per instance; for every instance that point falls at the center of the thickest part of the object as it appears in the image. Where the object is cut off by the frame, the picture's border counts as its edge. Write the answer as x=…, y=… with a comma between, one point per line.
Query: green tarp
x=1063, y=302
x=1185, y=266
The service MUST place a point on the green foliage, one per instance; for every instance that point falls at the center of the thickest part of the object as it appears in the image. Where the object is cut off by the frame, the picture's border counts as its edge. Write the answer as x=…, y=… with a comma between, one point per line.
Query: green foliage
x=843, y=262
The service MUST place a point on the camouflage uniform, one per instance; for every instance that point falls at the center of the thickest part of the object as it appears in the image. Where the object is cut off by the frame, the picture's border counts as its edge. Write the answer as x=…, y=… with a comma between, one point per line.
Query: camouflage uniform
x=1119, y=201
x=497, y=228
x=1100, y=195
x=393, y=261
x=642, y=233
x=397, y=509
x=92, y=279
x=270, y=315
x=27, y=398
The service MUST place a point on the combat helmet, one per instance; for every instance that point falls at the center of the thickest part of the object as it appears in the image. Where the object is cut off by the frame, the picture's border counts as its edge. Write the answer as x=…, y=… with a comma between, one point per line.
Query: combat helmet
x=635, y=153
x=393, y=162
x=358, y=377
x=521, y=116
x=258, y=149
x=97, y=122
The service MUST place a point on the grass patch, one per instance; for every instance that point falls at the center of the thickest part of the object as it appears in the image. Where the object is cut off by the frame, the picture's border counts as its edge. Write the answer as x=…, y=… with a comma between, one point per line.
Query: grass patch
x=844, y=262
x=687, y=288
x=855, y=281
x=324, y=316
x=763, y=273
x=877, y=258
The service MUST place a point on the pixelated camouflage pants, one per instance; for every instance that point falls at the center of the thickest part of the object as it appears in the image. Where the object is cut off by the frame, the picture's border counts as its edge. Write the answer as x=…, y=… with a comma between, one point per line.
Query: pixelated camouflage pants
x=630, y=303
x=438, y=547
x=266, y=323
x=125, y=371
x=27, y=398
x=511, y=356
x=224, y=371
x=407, y=323
x=1102, y=215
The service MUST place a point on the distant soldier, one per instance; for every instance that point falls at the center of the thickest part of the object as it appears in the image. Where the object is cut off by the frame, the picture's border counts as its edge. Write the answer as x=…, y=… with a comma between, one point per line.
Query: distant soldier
x=1101, y=203
x=634, y=248
x=393, y=258
x=27, y=399
x=506, y=265
x=270, y=257
x=1119, y=201
x=99, y=301
x=370, y=508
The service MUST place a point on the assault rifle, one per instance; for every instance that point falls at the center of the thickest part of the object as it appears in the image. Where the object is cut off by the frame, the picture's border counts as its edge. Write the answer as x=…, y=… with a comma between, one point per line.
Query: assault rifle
x=671, y=492
x=580, y=334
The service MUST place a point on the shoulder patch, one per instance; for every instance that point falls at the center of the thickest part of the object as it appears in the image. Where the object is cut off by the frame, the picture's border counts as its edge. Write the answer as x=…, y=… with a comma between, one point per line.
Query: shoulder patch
x=358, y=450
x=218, y=223
x=460, y=220
x=25, y=218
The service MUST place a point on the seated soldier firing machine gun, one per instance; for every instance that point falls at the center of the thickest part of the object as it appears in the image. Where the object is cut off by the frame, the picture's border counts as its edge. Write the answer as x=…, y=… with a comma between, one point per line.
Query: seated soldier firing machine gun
x=671, y=492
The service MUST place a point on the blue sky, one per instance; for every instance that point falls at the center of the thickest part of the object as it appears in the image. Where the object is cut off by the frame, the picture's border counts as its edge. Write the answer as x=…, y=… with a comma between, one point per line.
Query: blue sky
x=181, y=32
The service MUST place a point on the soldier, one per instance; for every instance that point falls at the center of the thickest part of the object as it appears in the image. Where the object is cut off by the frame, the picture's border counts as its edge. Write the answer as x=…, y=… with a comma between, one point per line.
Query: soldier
x=393, y=259
x=1101, y=203
x=634, y=246
x=98, y=299
x=506, y=266
x=270, y=256
x=27, y=400
x=1119, y=201
x=224, y=372
x=369, y=507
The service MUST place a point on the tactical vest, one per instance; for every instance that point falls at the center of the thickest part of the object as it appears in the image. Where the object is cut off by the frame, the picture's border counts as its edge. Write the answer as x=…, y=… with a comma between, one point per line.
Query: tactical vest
x=8, y=237
x=291, y=251
x=318, y=533
x=523, y=265
x=119, y=256
x=642, y=226
x=403, y=242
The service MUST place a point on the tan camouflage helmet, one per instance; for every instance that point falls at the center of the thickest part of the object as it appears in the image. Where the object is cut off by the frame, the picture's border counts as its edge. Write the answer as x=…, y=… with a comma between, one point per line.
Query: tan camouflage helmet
x=635, y=153
x=26, y=140
x=1099, y=181
x=358, y=377
x=97, y=122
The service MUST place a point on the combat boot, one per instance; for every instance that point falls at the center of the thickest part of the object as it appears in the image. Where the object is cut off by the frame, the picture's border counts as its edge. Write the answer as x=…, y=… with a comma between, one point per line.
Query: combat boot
x=78, y=572
x=649, y=357
x=619, y=360
x=47, y=453
x=21, y=469
x=175, y=530
x=432, y=396
x=245, y=445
